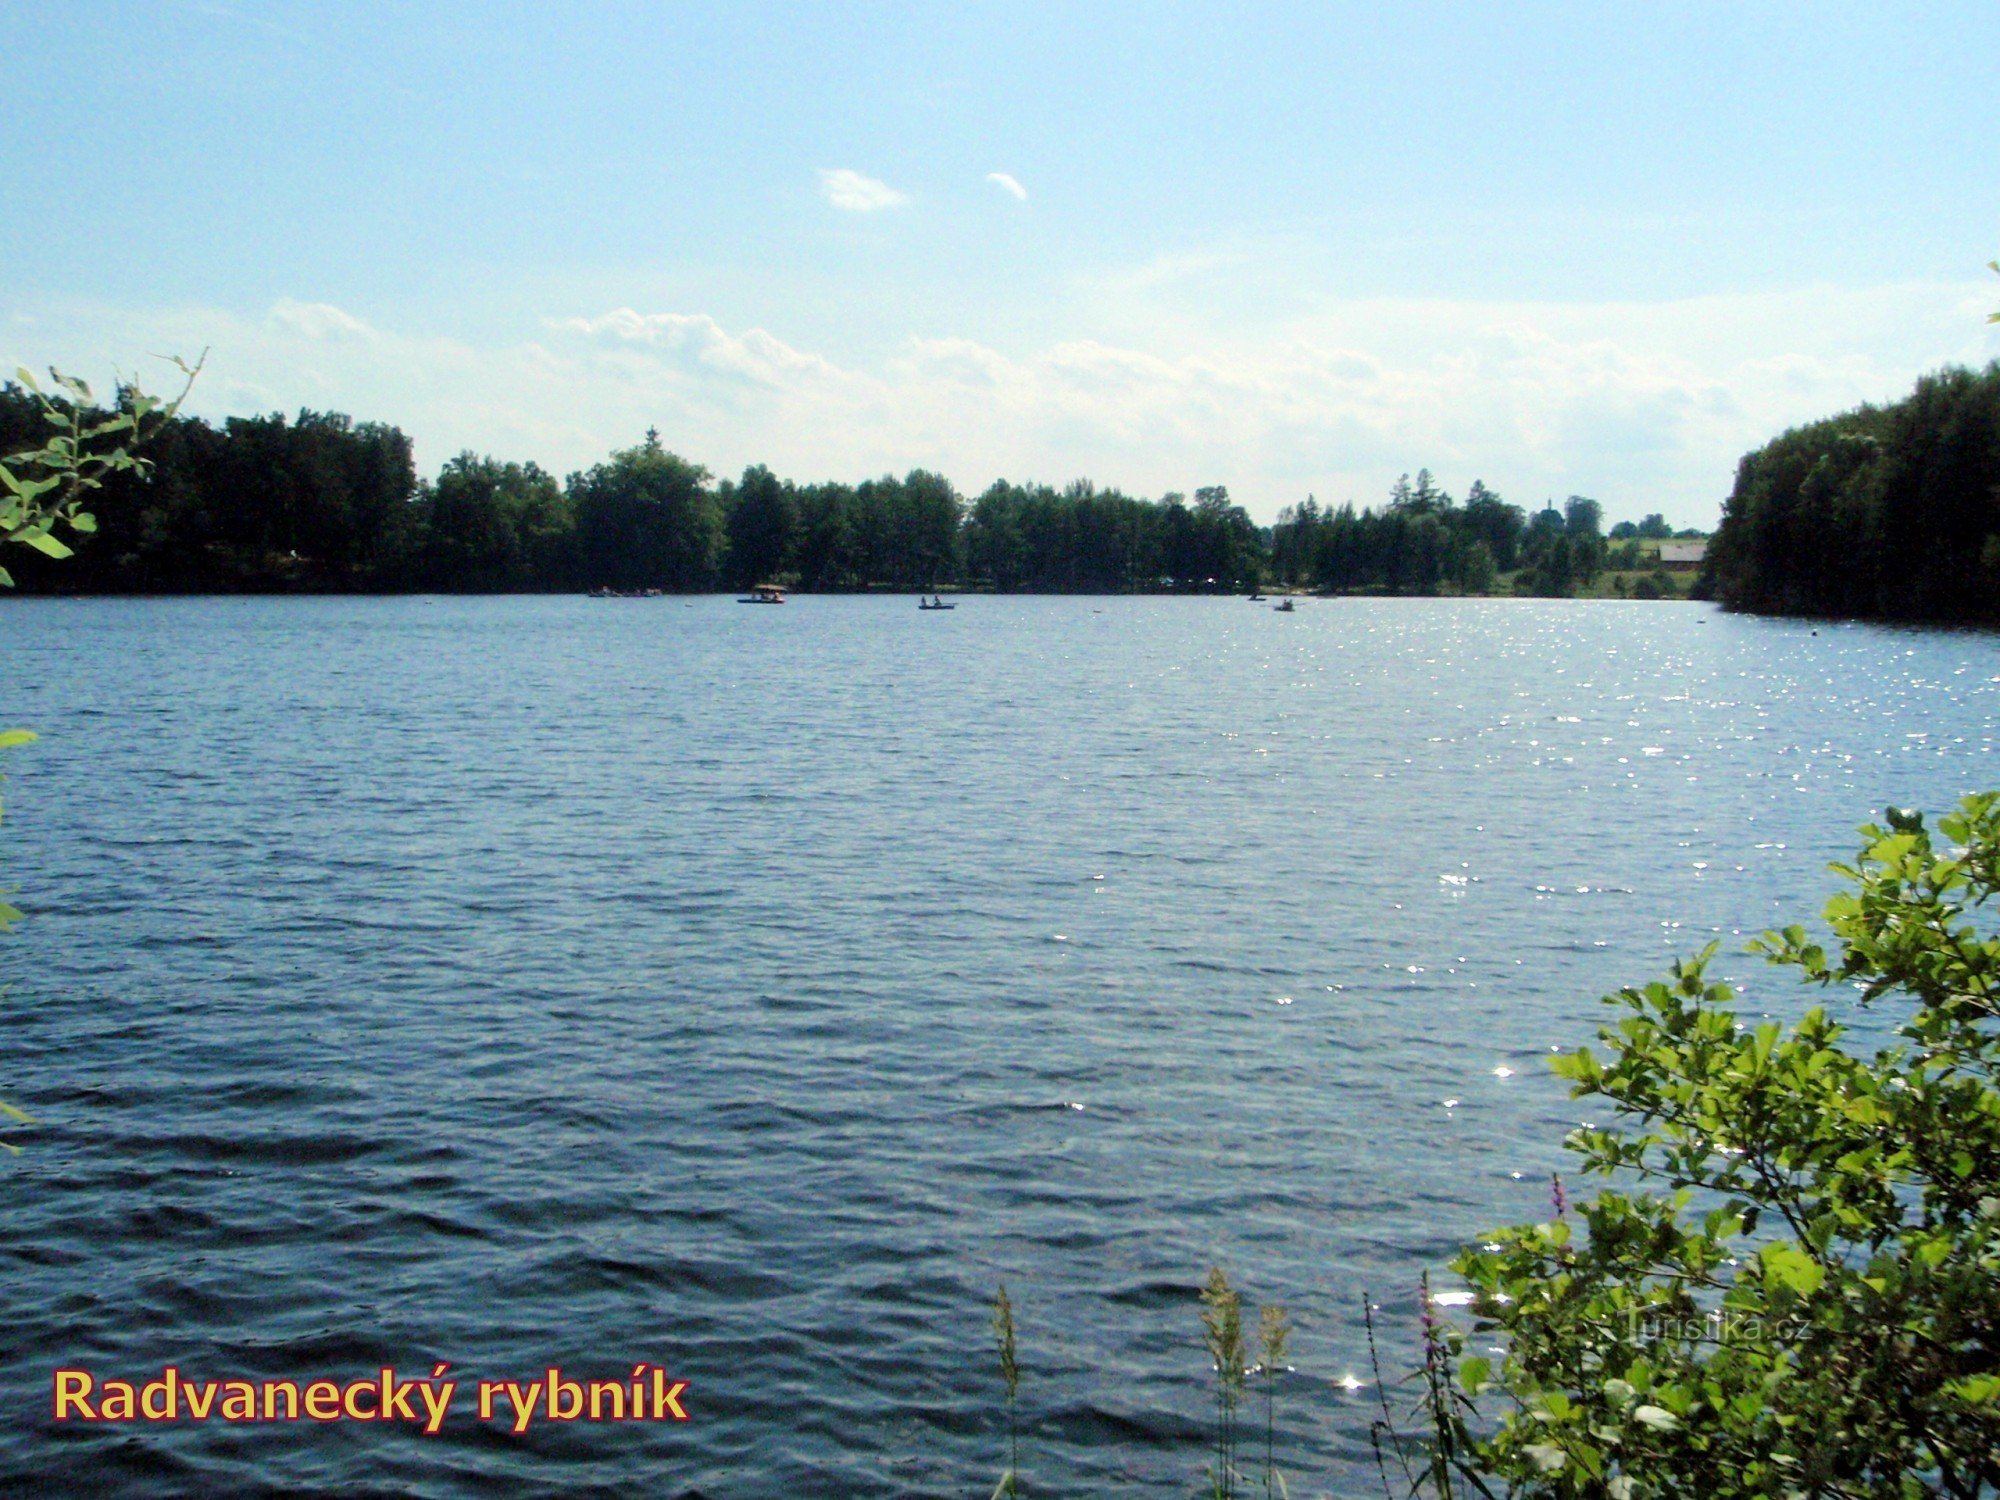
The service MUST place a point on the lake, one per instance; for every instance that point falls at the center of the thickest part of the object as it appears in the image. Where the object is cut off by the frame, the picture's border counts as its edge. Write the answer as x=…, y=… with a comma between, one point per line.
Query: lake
x=516, y=982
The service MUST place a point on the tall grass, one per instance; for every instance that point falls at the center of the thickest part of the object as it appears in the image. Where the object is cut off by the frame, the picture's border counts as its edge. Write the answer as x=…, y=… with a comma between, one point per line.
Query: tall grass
x=1222, y=1332
x=1222, y=1324
x=1273, y=1331
x=1437, y=1463
x=1010, y=1372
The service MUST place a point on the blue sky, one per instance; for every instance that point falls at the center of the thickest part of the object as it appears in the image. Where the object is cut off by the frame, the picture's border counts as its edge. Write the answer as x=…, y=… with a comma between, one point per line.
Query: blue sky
x=1563, y=248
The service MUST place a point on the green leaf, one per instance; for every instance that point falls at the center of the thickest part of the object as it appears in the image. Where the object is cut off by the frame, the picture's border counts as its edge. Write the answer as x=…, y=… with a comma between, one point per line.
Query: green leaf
x=1790, y=1267
x=45, y=544
x=31, y=490
x=12, y=737
x=1979, y=1390
x=1656, y=1417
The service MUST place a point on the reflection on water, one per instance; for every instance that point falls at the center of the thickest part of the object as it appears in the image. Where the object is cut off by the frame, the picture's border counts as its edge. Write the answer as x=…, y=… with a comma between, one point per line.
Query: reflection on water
x=535, y=981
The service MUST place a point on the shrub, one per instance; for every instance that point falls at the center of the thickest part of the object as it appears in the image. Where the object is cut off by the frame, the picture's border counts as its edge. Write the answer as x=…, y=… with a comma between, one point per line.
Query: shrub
x=1790, y=1284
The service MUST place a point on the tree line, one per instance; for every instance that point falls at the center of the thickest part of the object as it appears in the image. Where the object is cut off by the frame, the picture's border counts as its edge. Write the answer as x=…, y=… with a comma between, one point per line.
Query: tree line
x=321, y=502
x=1885, y=512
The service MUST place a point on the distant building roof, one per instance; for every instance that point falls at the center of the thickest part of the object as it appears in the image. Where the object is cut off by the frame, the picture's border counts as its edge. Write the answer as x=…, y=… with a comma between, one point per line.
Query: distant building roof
x=1683, y=552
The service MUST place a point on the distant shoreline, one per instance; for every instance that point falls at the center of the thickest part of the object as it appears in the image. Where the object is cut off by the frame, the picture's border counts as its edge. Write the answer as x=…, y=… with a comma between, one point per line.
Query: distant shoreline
x=949, y=591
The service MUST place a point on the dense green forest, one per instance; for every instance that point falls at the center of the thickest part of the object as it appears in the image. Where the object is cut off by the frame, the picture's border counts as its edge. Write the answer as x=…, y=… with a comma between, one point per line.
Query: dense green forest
x=1425, y=542
x=323, y=503
x=1886, y=512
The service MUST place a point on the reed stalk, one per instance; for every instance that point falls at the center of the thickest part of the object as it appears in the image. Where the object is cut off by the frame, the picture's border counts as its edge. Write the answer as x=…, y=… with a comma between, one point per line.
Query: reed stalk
x=1010, y=1372
x=1273, y=1331
x=1222, y=1328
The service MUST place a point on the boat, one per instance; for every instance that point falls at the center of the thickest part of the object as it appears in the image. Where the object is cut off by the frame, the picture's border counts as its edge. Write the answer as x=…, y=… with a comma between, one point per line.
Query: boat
x=1283, y=606
x=1255, y=597
x=764, y=593
x=934, y=602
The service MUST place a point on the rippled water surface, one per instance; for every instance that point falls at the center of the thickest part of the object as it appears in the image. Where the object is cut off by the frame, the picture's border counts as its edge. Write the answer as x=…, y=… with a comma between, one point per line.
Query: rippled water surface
x=516, y=982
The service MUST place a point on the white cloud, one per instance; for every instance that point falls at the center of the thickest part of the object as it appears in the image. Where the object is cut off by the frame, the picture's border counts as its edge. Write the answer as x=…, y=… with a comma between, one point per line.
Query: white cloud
x=1007, y=184
x=849, y=190
x=1646, y=406
x=754, y=355
x=319, y=320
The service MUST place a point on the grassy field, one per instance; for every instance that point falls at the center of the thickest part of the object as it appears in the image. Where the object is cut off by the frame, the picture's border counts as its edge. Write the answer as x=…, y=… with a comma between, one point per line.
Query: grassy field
x=1644, y=583
x=1673, y=583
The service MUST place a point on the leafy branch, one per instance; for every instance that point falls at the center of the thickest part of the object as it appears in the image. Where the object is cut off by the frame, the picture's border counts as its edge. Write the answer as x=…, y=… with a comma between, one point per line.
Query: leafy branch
x=46, y=486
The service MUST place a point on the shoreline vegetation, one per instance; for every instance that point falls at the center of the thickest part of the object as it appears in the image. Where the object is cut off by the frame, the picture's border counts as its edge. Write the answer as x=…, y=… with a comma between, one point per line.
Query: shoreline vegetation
x=322, y=504
x=1889, y=513
x=1883, y=512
